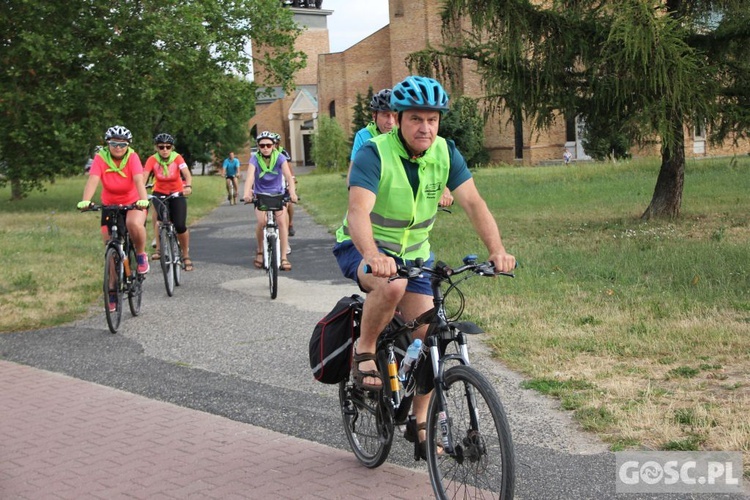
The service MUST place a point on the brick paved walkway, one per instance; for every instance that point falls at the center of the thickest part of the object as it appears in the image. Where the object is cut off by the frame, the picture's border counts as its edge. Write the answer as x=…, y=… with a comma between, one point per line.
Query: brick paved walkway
x=61, y=437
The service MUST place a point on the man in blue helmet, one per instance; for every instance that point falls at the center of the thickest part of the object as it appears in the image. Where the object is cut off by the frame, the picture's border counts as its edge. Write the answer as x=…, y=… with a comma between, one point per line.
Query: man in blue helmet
x=395, y=184
x=383, y=121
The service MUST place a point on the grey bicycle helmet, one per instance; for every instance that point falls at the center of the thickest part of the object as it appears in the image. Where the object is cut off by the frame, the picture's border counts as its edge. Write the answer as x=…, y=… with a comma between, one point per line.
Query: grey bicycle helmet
x=163, y=139
x=265, y=135
x=276, y=138
x=419, y=92
x=118, y=132
x=381, y=101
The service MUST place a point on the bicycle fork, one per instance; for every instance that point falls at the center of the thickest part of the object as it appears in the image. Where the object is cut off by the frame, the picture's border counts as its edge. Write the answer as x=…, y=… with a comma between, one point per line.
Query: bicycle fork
x=271, y=228
x=444, y=426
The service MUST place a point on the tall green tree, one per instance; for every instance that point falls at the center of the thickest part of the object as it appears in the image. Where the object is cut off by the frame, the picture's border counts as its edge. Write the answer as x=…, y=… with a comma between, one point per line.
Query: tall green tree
x=362, y=113
x=654, y=67
x=72, y=69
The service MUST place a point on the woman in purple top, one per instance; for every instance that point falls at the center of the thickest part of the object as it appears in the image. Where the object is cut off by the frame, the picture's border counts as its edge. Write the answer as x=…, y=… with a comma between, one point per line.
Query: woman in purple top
x=269, y=168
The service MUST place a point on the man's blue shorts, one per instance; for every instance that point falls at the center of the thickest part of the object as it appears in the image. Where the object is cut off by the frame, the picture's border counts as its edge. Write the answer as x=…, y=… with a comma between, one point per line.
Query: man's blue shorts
x=349, y=259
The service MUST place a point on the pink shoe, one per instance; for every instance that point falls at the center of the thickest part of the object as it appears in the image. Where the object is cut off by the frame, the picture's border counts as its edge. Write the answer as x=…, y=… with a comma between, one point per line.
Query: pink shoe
x=143, y=266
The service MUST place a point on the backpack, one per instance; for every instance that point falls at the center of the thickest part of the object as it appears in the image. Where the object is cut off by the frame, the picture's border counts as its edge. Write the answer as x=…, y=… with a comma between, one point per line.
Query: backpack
x=333, y=338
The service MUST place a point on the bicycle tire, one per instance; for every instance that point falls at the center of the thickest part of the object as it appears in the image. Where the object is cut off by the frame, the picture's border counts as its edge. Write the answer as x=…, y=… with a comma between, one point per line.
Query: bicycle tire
x=135, y=290
x=177, y=258
x=368, y=424
x=112, y=264
x=166, y=259
x=273, y=265
x=230, y=190
x=483, y=464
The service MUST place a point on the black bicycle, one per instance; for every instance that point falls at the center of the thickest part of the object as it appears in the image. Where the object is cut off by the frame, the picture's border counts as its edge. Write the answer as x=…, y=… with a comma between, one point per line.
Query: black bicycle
x=170, y=256
x=469, y=448
x=120, y=267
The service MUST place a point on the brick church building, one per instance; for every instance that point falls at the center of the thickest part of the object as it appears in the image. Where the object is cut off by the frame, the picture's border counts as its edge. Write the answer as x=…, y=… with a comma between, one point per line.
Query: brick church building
x=330, y=83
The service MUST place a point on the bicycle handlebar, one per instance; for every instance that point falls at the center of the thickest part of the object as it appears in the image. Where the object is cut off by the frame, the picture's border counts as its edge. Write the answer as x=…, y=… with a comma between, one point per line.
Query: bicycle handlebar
x=254, y=200
x=95, y=208
x=443, y=270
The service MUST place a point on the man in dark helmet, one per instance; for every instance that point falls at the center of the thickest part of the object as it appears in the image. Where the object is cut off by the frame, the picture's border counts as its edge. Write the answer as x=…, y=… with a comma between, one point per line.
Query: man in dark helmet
x=383, y=120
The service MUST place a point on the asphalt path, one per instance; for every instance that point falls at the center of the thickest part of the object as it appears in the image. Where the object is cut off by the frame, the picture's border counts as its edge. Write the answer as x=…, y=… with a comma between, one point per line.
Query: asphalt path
x=222, y=346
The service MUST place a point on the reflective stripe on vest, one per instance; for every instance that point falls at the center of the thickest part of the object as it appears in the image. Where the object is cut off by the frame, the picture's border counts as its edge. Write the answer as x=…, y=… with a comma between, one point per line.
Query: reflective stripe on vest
x=399, y=227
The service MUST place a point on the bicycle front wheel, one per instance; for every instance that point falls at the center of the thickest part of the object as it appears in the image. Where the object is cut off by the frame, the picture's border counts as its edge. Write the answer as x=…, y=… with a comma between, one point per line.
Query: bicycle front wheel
x=273, y=265
x=135, y=290
x=112, y=288
x=482, y=464
x=166, y=259
x=367, y=423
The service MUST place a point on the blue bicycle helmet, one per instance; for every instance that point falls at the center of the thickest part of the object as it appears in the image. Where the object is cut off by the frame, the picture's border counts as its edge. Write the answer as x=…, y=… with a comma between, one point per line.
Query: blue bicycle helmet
x=419, y=92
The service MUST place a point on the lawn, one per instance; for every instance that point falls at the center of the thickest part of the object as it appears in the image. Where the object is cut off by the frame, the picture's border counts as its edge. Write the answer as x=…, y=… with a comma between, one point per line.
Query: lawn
x=640, y=328
x=53, y=253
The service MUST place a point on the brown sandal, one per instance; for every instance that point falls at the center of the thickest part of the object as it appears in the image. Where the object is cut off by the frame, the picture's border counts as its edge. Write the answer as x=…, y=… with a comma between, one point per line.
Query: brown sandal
x=258, y=260
x=285, y=265
x=359, y=376
x=155, y=256
x=188, y=264
x=411, y=434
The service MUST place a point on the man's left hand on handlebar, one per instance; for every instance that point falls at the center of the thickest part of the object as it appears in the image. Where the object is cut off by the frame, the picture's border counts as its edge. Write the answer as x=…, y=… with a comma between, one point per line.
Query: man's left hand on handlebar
x=504, y=262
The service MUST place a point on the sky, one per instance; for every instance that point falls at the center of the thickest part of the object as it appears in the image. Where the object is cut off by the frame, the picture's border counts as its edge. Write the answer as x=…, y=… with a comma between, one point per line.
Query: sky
x=354, y=20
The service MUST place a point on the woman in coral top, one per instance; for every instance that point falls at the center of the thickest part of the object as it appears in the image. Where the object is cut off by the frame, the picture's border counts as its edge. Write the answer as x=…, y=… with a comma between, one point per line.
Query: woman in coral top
x=120, y=171
x=169, y=169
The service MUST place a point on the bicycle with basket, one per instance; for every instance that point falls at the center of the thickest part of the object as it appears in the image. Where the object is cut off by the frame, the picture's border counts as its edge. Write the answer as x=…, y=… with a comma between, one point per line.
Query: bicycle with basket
x=270, y=204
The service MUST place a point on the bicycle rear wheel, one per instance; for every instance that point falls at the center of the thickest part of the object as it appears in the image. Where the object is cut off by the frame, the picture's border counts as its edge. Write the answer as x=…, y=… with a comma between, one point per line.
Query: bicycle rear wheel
x=113, y=287
x=177, y=258
x=166, y=259
x=273, y=264
x=135, y=290
x=367, y=423
x=483, y=463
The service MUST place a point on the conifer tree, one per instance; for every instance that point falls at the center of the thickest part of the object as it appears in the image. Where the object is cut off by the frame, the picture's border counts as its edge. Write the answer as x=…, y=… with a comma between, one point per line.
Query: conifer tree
x=655, y=67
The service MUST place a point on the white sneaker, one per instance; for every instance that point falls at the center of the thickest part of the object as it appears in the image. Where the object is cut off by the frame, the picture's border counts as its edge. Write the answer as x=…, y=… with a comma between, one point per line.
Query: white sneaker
x=288, y=250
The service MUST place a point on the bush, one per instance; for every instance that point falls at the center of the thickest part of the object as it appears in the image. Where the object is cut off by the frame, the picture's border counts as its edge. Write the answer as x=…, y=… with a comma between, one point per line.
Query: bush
x=605, y=139
x=330, y=149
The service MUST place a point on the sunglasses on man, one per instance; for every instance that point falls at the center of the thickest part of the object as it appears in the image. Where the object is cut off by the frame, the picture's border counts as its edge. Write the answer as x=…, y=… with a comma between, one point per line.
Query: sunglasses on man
x=164, y=146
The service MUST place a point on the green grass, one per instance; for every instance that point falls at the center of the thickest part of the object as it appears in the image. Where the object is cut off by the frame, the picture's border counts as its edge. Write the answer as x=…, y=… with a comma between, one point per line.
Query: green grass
x=624, y=320
x=641, y=329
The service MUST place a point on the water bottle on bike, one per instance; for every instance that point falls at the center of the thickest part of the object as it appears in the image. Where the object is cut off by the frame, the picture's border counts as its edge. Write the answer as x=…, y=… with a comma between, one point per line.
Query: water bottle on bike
x=412, y=353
